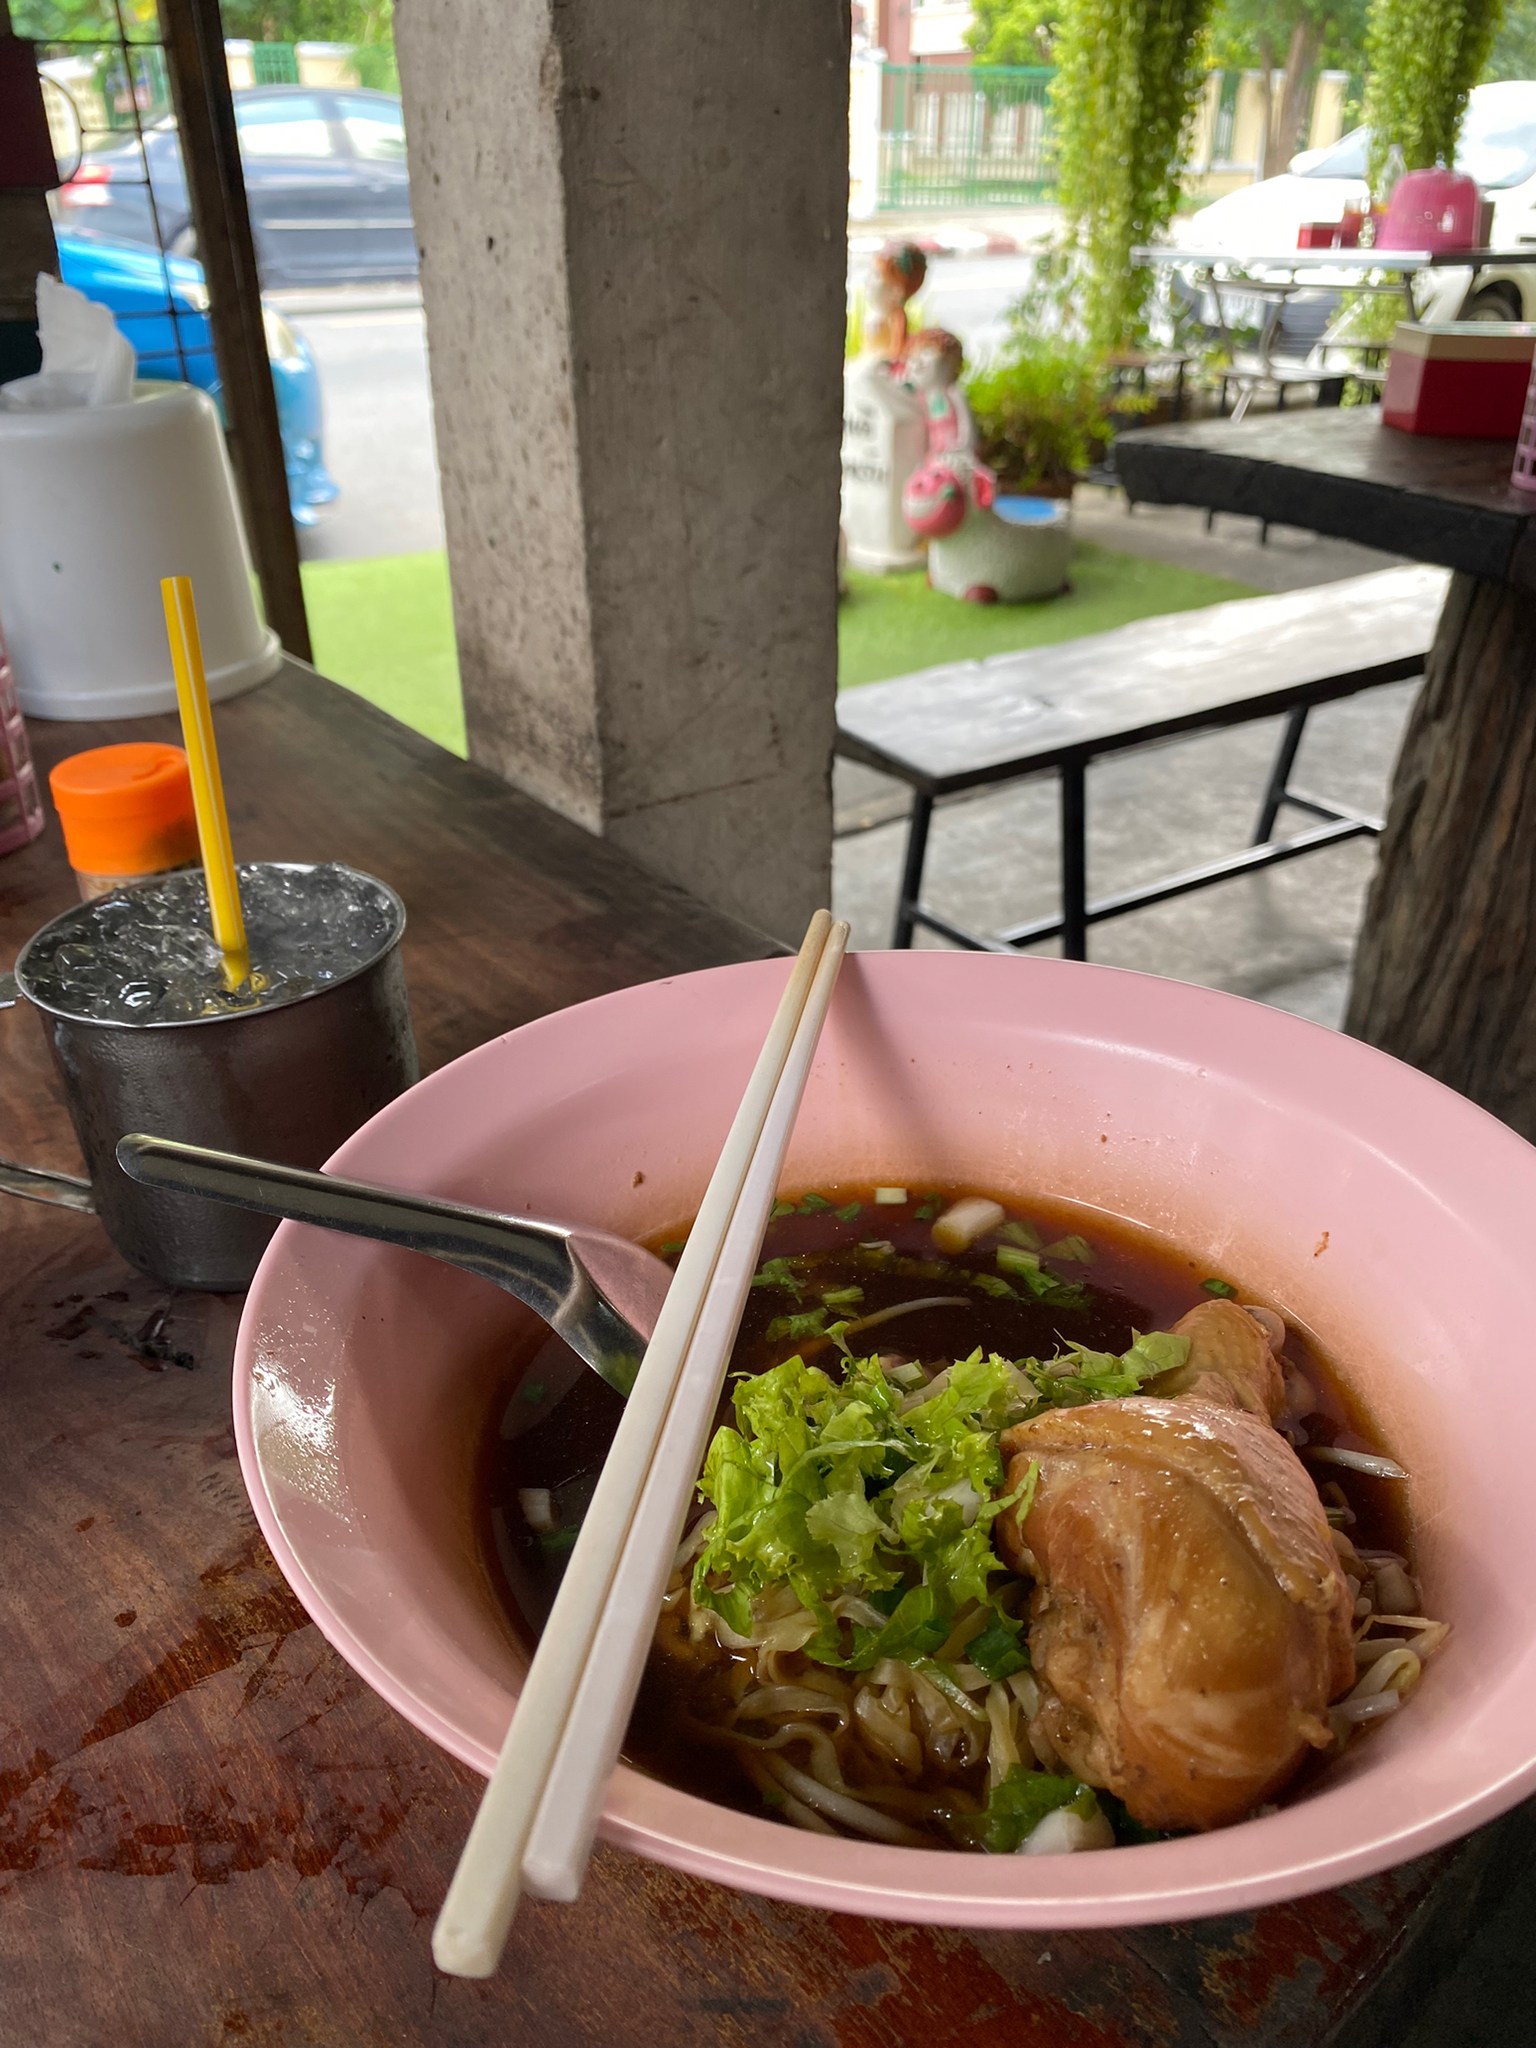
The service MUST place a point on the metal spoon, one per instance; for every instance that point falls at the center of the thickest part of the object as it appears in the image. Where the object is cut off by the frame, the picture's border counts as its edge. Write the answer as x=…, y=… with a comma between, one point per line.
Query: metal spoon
x=598, y=1293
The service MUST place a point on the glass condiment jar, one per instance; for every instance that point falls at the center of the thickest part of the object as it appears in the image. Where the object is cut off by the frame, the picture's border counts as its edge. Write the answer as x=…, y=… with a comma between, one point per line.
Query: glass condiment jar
x=126, y=813
x=21, y=808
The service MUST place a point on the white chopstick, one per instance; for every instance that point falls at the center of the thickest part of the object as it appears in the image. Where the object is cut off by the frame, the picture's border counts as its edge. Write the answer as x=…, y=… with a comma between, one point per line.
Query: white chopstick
x=560, y=1842
x=472, y=1925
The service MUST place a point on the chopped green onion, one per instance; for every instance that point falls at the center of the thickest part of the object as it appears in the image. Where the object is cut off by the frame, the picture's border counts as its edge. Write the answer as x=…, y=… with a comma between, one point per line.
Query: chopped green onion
x=929, y=1208
x=813, y=1204
x=811, y=1323
x=1012, y=1259
x=850, y=1212
x=991, y=1283
x=672, y=1247
x=780, y=1210
x=1015, y=1232
x=890, y=1198
x=1074, y=1247
x=1016, y=1807
x=1222, y=1289
x=779, y=1272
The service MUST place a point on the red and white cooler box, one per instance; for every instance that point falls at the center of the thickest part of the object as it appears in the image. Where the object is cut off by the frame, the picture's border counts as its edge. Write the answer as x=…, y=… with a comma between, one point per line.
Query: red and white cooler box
x=1465, y=377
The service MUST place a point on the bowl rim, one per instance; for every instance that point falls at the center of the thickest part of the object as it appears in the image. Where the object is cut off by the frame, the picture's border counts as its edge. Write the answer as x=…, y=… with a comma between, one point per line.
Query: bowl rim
x=940, y=1887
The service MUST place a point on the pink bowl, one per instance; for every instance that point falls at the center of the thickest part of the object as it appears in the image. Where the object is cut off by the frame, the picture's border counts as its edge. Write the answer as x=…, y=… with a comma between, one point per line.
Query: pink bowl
x=1384, y=1211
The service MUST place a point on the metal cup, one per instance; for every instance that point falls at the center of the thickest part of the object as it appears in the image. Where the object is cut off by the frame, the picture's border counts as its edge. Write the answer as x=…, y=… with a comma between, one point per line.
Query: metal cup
x=290, y=1082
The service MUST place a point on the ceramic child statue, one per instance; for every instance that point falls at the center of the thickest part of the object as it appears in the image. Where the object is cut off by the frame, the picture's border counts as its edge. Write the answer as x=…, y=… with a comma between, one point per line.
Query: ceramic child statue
x=884, y=435
x=896, y=277
x=950, y=499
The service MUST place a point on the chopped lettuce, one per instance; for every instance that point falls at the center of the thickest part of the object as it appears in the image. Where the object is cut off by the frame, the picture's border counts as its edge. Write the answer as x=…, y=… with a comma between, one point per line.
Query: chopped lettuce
x=998, y=1650
x=1080, y=1375
x=1016, y=1807
x=852, y=1487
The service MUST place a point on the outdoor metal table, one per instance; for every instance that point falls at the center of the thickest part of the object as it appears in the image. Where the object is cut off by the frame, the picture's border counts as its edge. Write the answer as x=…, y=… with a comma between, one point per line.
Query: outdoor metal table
x=1262, y=285
x=211, y=1832
x=1397, y=262
x=1445, y=973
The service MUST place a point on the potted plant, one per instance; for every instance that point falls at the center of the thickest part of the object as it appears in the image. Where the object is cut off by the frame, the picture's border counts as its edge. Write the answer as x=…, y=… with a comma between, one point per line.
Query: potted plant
x=1043, y=411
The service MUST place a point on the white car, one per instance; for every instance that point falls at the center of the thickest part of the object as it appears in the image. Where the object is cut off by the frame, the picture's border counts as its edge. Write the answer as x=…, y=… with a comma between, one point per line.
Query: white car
x=1498, y=149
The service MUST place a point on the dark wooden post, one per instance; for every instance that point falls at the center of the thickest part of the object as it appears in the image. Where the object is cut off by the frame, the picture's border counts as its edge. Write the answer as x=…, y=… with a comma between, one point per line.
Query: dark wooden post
x=210, y=153
x=1445, y=976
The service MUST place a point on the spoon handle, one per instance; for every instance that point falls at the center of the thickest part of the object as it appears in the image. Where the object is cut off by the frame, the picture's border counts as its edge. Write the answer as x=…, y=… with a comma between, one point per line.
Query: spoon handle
x=530, y=1260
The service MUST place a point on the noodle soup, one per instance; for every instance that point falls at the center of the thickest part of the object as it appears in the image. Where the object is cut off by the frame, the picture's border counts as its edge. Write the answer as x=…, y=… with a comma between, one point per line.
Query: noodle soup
x=859, y=1638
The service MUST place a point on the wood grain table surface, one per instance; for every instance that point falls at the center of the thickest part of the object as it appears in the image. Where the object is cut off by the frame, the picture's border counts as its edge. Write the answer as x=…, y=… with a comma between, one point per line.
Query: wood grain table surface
x=1342, y=471
x=212, y=1835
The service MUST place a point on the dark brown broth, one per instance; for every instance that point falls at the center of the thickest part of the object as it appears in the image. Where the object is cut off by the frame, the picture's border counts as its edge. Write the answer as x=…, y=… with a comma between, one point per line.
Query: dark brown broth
x=1135, y=1282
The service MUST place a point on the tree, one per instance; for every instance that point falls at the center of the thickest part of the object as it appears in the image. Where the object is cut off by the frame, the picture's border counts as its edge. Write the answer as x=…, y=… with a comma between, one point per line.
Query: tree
x=1424, y=56
x=1293, y=38
x=308, y=21
x=1014, y=31
x=1286, y=41
x=1129, y=76
x=1514, y=43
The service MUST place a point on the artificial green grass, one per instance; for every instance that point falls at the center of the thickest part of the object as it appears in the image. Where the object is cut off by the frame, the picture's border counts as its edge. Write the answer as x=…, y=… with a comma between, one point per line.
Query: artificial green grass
x=385, y=627
x=891, y=625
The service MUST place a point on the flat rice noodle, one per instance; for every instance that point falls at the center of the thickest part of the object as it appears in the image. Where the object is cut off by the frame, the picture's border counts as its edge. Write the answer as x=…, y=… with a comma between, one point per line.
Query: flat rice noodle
x=841, y=1806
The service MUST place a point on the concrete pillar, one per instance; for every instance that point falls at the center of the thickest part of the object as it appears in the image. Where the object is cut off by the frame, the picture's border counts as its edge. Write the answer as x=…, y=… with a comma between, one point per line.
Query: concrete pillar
x=632, y=224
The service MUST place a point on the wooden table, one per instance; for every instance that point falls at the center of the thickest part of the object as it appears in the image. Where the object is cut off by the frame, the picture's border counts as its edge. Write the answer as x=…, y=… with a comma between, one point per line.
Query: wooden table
x=1445, y=974
x=212, y=1833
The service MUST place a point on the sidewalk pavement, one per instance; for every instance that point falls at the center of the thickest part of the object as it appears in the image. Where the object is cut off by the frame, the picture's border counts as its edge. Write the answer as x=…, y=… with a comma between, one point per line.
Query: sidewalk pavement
x=946, y=231
x=1284, y=936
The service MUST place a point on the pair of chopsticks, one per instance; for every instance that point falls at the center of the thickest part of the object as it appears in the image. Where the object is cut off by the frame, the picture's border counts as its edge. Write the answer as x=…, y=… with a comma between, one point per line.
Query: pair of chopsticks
x=539, y=1813
x=207, y=784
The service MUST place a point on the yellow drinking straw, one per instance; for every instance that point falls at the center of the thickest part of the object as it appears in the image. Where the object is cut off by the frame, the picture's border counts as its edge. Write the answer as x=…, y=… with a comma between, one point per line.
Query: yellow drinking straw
x=207, y=786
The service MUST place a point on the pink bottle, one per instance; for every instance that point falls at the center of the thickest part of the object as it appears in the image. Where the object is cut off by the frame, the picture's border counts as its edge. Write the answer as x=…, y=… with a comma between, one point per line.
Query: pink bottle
x=21, y=808
x=1432, y=210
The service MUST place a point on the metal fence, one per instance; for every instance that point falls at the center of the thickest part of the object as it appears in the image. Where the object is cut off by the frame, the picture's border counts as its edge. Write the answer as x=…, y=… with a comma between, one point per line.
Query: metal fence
x=976, y=136
x=274, y=64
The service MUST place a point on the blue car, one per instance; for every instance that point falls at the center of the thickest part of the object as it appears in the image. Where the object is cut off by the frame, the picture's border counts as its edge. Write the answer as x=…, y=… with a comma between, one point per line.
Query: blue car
x=161, y=304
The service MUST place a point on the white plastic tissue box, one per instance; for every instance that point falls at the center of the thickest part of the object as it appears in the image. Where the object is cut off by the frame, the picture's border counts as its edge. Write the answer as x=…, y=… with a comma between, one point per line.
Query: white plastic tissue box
x=105, y=487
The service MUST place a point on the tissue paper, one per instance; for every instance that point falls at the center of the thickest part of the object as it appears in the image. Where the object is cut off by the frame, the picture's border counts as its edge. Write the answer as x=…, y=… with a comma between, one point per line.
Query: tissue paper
x=86, y=360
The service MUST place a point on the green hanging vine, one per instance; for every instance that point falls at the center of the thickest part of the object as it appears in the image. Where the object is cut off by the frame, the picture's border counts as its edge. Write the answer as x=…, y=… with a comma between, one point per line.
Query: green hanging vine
x=1129, y=77
x=1423, y=59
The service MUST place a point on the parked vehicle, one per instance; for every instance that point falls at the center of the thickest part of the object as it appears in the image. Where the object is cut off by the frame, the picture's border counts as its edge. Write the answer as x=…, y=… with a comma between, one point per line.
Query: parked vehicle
x=162, y=307
x=1498, y=149
x=324, y=174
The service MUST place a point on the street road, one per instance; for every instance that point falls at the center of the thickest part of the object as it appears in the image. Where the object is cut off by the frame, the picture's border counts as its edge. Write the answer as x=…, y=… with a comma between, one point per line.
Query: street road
x=370, y=346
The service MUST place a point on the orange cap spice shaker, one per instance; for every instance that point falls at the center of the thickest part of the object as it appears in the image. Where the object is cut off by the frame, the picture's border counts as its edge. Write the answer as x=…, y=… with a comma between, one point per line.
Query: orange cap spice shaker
x=126, y=813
